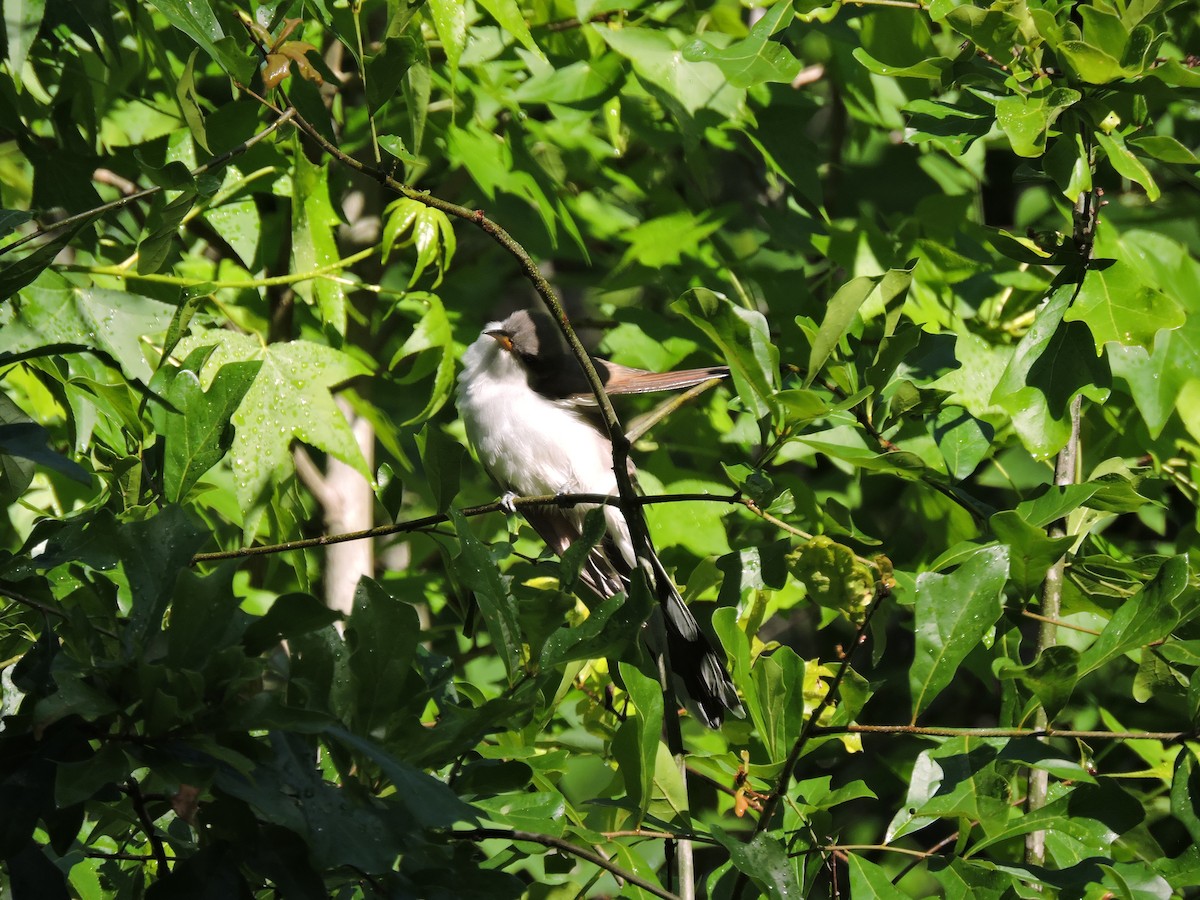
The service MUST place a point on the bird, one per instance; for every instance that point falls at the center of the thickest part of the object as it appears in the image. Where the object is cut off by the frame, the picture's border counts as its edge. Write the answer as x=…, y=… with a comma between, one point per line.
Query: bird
x=530, y=415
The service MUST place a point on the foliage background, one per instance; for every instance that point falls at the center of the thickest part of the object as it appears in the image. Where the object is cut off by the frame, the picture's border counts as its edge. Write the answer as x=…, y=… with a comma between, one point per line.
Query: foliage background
x=867, y=210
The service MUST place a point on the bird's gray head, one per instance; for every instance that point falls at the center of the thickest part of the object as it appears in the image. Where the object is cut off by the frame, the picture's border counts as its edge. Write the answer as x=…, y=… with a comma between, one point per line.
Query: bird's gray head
x=530, y=335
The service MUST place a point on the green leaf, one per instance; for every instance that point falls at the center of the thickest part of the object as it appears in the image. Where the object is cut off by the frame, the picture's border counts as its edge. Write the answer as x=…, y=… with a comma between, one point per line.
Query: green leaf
x=1067, y=163
x=962, y=439
x=442, y=460
x=869, y=880
x=744, y=338
x=782, y=682
x=508, y=14
x=394, y=145
x=953, y=614
x=959, y=778
x=1076, y=812
x=22, y=20
x=583, y=83
x=1148, y=616
x=450, y=20
x=1165, y=148
x=1119, y=306
x=1031, y=551
x=477, y=570
x=1185, y=793
x=52, y=316
x=188, y=99
x=764, y=861
x=1051, y=677
x=23, y=444
x=609, y=628
x=1089, y=63
x=200, y=433
x=290, y=616
x=1026, y=118
x=644, y=735
x=12, y=219
x=839, y=314
x=196, y=19
x=951, y=126
x=175, y=539
x=1051, y=365
x=382, y=634
x=657, y=59
x=1124, y=161
x=933, y=67
x=289, y=400
x=314, y=248
x=431, y=344
x=756, y=58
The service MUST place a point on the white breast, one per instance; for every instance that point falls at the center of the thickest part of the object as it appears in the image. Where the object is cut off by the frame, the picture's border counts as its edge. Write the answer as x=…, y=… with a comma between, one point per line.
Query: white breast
x=531, y=445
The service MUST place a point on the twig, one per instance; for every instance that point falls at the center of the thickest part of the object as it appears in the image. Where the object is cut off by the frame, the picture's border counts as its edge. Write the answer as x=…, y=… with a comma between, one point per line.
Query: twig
x=1058, y=623
x=810, y=724
x=1048, y=732
x=659, y=835
x=810, y=729
x=1084, y=217
x=424, y=522
x=134, y=790
x=549, y=840
x=45, y=608
x=925, y=854
x=214, y=163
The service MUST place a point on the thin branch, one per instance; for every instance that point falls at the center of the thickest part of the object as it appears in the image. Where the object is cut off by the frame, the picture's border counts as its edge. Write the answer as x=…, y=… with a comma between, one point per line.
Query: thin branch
x=1048, y=732
x=45, y=608
x=215, y=163
x=549, y=840
x=426, y=522
x=1058, y=623
x=134, y=790
x=979, y=511
x=659, y=835
x=932, y=851
x=130, y=857
x=642, y=424
x=1066, y=467
x=810, y=724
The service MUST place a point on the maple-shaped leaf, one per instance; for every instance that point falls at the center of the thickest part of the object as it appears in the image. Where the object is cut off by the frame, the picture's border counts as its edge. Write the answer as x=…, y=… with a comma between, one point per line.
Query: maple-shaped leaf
x=290, y=399
x=54, y=316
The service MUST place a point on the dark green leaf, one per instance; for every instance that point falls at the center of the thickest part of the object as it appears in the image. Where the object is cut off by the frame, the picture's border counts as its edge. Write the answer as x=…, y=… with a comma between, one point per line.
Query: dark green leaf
x=1148, y=616
x=765, y=861
x=954, y=612
x=200, y=433
x=477, y=570
x=290, y=616
x=756, y=58
x=442, y=461
x=745, y=340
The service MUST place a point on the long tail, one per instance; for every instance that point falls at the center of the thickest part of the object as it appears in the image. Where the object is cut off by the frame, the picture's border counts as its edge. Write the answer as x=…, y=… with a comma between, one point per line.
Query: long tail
x=698, y=664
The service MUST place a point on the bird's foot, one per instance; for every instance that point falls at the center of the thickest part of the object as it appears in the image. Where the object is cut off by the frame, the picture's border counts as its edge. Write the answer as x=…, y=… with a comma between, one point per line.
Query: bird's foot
x=508, y=504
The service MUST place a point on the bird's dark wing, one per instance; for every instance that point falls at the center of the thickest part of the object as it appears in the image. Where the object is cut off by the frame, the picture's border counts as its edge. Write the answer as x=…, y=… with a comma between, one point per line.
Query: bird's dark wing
x=598, y=572
x=698, y=664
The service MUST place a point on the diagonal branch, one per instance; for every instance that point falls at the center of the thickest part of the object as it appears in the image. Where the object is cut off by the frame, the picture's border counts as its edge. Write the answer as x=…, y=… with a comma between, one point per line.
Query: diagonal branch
x=549, y=840
x=216, y=162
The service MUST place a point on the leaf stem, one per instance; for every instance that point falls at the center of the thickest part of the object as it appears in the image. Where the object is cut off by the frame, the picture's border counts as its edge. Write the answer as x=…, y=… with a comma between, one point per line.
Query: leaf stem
x=121, y=271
